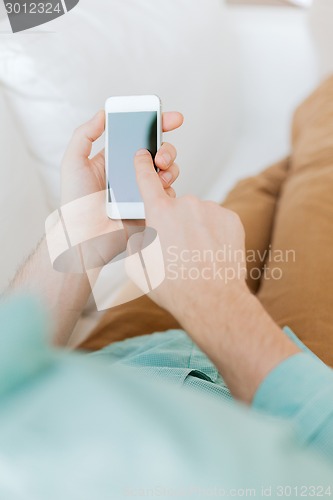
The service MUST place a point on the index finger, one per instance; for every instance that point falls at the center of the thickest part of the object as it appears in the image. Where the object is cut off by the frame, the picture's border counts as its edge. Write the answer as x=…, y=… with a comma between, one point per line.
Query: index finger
x=147, y=178
x=172, y=120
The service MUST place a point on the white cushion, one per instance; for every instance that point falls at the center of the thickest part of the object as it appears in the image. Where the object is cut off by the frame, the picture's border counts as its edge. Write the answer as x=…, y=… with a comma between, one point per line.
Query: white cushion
x=275, y=73
x=176, y=48
x=23, y=206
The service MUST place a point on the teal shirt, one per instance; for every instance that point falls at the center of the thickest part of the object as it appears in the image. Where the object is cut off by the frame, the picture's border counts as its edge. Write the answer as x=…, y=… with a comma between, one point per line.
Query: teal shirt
x=152, y=417
x=300, y=389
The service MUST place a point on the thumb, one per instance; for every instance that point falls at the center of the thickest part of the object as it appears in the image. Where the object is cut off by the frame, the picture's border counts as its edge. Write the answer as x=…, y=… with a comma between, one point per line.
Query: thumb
x=85, y=135
x=148, y=181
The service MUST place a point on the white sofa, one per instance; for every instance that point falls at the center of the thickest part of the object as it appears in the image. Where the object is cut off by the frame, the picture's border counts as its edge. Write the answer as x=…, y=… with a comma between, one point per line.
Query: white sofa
x=236, y=73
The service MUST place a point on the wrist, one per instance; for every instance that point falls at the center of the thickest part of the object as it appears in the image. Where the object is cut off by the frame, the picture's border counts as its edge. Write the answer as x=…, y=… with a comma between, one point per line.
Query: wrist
x=241, y=339
x=217, y=314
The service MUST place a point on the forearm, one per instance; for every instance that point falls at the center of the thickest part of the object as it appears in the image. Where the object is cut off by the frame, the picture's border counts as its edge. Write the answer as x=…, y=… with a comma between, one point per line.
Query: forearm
x=57, y=271
x=64, y=295
x=241, y=339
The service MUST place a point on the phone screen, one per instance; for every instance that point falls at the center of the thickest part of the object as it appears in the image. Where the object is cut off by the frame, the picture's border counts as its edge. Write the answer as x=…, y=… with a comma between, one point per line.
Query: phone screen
x=127, y=133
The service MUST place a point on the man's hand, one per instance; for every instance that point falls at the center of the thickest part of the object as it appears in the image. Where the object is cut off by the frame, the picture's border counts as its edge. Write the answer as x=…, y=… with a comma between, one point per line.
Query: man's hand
x=83, y=179
x=213, y=303
x=188, y=227
x=65, y=294
x=82, y=175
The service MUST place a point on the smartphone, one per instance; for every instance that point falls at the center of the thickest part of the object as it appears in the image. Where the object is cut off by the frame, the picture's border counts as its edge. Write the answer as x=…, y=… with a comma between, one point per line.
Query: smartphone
x=132, y=123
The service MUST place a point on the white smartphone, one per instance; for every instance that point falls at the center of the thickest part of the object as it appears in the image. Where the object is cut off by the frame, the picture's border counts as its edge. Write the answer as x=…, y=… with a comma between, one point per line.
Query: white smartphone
x=132, y=123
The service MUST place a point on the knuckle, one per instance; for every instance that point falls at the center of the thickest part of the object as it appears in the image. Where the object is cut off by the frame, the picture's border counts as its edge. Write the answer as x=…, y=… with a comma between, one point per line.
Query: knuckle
x=212, y=205
x=173, y=150
x=234, y=219
x=170, y=148
x=176, y=170
x=190, y=199
x=78, y=132
x=163, y=203
x=171, y=192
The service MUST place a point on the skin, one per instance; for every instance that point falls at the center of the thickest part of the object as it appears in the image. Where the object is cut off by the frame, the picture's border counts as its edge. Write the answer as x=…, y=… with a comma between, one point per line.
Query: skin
x=65, y=295
x=222, y=317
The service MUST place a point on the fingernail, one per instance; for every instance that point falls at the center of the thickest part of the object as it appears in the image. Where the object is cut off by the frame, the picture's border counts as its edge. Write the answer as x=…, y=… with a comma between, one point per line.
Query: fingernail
x=141, y=152
x=167, y=177
x=166, y=158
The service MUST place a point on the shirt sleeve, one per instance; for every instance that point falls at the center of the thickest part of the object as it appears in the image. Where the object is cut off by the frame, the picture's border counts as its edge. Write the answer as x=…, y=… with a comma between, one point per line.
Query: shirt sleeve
x=300, y=389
